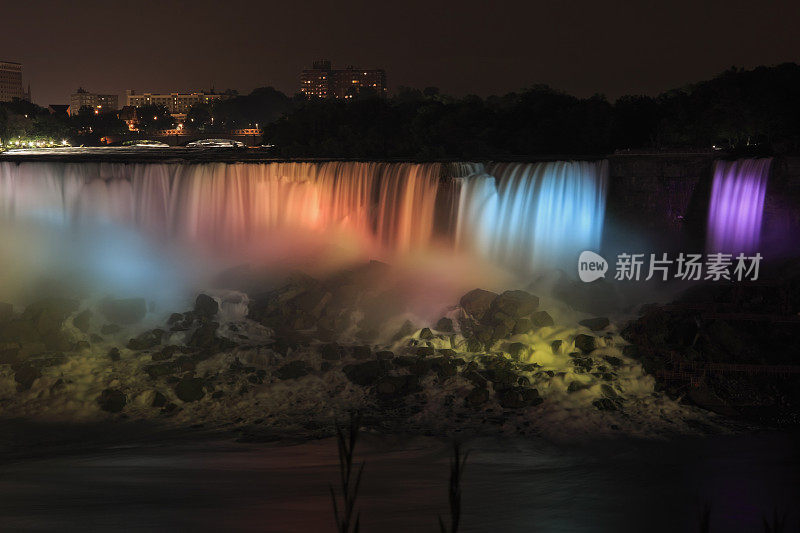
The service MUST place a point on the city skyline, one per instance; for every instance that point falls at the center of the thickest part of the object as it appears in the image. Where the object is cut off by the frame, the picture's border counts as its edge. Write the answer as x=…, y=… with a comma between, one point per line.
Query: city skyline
x=578, y=47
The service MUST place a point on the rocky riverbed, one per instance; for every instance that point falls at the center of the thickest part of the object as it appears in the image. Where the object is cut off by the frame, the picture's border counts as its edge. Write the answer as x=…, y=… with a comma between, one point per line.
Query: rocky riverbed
x=292, y=359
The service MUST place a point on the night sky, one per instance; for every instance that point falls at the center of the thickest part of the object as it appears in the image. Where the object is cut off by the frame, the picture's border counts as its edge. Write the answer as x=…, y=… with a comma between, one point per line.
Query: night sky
x=480, y=47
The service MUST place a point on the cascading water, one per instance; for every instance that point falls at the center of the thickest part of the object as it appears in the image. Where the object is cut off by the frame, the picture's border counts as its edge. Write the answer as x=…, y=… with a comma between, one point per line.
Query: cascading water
x=532, y=216
x=737, y=205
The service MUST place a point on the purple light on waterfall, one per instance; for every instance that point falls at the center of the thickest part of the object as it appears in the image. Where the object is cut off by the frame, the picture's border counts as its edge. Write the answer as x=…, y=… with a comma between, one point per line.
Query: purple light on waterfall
x=737, y=205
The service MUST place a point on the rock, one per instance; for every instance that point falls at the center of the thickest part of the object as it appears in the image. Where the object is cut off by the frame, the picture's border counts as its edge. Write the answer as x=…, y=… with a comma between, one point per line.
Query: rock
x=389, y=387
x=518, y=397
x=293, y=370
x=542, y=319
x=477, y=302
x=474, y=345
x=113, y=354
x=444, y=324
x=146, y=340
x=595, y=324
x=604, y=404
x=190, y=389
x=9, y=353
x=425, y=334
x=444, y=367
x=94, y=338
x=81, y=320
x=477, y=397
x=609, y=392
x=362, y=352
x=576, y=386
x=426, y=351
x=331, y=352
x=556, y=346
x=124, y=311
x=19, y=331
x=585, y=343
x=110, y=329
x=174, y=318
x=613, y=361
x=583, y=364
x=405, y=330
x=517, y=350
x=161, y=369
x=384, y=355
x=112, y=400
x=365, y=373
x=25, y=374
x=515, y=304
x=159, y=400
x=474, y=377
x=55, y=309
x=6, y=311
x=205, y=306
x=523, y=325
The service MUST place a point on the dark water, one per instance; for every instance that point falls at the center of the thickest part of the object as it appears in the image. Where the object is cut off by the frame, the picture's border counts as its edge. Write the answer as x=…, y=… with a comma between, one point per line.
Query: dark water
x=510, y=485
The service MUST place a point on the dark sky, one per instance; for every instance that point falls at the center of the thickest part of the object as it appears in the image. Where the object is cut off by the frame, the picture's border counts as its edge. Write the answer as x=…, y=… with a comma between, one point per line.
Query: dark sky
x=583, y=47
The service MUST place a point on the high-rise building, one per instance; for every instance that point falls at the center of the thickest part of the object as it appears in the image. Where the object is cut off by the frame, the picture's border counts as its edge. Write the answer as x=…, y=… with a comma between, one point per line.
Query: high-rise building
x=100, y=103
x=11, y=82
x=323, y=81
x=176, y=103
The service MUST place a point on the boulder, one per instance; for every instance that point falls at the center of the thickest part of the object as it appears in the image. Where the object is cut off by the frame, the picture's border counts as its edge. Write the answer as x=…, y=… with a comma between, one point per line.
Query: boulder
x=515, y=304
x=25, y=374
x=112, y=400
x=425, y=334
x=595, y=324
x=542, y=319
x=477, y=302
x=518, y=397
x=113, y=354
x=604, y=404
x=477, y=397
x=190, y=389
x=585, y=343
x=388, y=387
x=81, y=320
x=362, y=352
x=556, y=346
x=517, y=350
x=366, y=373
x=444, y=324
x=205, y=306
x=331, y=352
x=523, y=325
x=124, y=311
x=146, y=340
x=161, y=369
x=293, y=370
x=159, y=400
x=52, y=309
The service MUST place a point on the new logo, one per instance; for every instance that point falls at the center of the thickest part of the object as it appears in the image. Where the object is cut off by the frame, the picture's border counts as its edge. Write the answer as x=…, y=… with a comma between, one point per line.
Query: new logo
x=591, y=266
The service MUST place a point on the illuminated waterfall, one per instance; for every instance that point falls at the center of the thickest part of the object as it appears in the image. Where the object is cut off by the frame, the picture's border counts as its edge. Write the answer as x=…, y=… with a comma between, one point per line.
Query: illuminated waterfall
x=535, y=215
x=231, y=204
x=737, y=205
x=519, y=216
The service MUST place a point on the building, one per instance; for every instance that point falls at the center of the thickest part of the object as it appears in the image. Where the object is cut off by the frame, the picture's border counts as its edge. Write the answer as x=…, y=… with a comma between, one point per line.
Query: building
x=176, y=103
x=323, y=81
x=11, y=82
x=101, y=103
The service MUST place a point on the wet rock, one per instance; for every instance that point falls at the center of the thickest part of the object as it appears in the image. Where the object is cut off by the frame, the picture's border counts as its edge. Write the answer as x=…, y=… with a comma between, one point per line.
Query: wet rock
x=175, y=318
x=159, y=400
x=147, y=340
x=113, y=354
x=585, y=343
x=595, y=324
x=477, y=302
x=446, y=352
x=474, y=345
x=556, y=346
x=425, y=334
x=190, y=389
x=609, y=392
x=518, y=397
x=542, y=319
x=110, y=329
x=331, y=352
x=604, y=404
x=523, y=325
x=82, y=320
x=474, y=377
x=477, y=397
x=515, y=304
x=384, y=355
x=6, y=311
x=576, y=386
x=362, y=352
x=517, y=350
x=205, y=306
x=613, y=361
x=389, y=387
x=25, y=374
x=444, y=367
x=55, y=310
x=124, y=311
x=112, y=400
x=583, y=364
x=293, y=370
x=161, y=369
x=444, y=324
x=426, y=351
x=365, y=373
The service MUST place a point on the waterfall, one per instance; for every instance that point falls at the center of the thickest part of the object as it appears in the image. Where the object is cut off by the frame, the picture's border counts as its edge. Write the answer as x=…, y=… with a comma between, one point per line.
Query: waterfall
x=519, y=216
x=533, y=215
x=231, y=205
x=737, y=205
